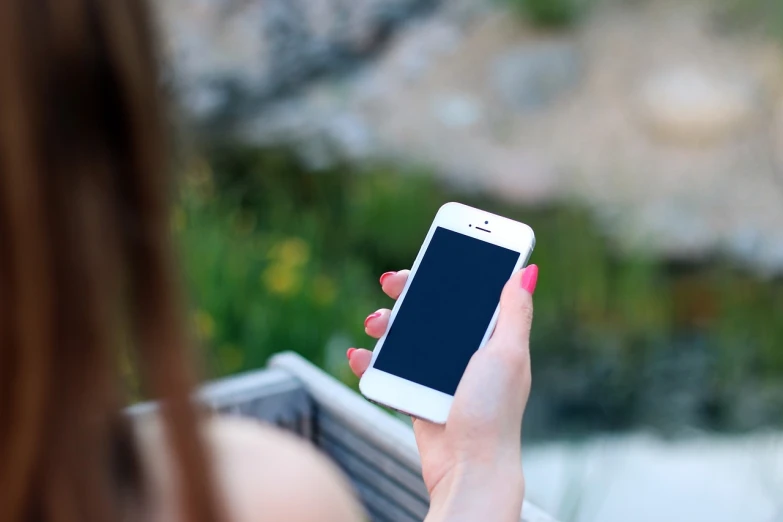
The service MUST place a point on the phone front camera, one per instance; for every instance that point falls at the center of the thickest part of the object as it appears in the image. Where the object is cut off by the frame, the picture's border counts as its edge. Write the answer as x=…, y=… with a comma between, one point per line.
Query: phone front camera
x=486, y=222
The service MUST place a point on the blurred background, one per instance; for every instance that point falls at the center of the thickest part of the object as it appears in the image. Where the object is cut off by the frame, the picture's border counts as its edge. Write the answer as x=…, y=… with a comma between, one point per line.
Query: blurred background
x=641, y=139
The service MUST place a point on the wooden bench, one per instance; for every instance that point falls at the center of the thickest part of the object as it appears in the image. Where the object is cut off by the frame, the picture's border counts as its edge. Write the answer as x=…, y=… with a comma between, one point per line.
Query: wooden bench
x=376, y=450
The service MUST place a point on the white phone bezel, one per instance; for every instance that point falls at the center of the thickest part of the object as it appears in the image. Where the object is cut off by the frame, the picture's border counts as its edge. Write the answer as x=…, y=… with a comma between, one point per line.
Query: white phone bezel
x=413, y=398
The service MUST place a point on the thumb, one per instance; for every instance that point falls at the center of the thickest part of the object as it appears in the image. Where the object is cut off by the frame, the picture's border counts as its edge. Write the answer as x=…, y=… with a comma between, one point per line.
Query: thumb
x=516, y=308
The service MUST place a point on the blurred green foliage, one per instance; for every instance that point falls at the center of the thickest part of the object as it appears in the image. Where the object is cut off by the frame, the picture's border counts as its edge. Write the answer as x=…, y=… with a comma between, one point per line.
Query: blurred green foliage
x=282, y=258
x=550, y=13
x=755, y=16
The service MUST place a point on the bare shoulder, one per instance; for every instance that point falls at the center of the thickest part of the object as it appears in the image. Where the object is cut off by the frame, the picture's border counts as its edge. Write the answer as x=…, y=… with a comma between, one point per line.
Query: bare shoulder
x=263, y=473
x=270, y=475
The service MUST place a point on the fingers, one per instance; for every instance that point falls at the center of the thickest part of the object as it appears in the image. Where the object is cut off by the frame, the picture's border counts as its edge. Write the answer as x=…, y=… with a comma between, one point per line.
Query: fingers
x=376, y=323
x=359, y=360
x=394, y=282
x=516, y=309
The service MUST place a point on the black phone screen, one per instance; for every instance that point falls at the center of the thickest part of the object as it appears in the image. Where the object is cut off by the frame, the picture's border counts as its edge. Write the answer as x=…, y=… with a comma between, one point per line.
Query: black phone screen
x=446, y=311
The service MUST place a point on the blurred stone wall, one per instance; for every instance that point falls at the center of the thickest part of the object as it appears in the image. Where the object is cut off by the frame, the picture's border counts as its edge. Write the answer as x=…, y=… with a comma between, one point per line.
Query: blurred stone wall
x=226, y=56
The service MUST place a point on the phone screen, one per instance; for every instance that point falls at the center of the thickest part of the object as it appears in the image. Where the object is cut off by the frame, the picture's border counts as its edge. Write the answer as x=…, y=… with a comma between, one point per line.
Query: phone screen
x=446, y=311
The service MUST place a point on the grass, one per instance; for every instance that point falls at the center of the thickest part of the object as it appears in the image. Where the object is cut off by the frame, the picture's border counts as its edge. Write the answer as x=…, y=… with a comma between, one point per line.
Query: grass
x=754, y=16
x=550, y=13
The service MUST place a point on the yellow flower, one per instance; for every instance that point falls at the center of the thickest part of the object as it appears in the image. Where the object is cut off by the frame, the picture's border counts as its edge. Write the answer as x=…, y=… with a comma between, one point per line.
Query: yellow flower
x=324, y=290
x=283, y=276
x=281, y=280
x=205, y=324
x=291, y=252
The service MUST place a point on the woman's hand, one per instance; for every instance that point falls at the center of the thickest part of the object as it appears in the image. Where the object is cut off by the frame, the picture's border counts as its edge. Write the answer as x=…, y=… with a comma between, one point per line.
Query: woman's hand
x=472, y=464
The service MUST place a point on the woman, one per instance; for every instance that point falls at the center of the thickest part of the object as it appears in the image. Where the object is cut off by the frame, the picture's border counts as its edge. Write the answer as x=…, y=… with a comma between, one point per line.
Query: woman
x=88, y=285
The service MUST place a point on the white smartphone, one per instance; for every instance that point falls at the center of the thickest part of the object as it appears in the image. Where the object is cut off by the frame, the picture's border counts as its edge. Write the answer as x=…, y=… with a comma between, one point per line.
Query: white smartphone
x=446, y=311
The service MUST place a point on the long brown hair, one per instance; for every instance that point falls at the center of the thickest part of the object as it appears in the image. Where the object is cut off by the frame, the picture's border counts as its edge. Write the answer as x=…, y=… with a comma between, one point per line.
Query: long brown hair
x=86, y=267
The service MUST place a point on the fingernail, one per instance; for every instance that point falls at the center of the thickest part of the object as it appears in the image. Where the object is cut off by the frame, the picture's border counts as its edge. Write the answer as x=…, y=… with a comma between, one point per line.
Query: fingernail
x=349, y=352
x=384, y=276
x=371, y=317
x=530, y=278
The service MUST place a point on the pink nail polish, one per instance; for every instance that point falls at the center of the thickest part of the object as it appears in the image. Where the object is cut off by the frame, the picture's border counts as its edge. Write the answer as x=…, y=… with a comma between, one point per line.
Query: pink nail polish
x=530, y=278
x=349, y=352
x=371, y=317
x=384, y=276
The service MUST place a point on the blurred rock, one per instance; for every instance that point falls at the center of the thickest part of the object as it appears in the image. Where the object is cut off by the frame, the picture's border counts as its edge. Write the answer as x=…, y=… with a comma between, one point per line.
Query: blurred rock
x=776, y=135
x=745, y=242
x=464, y=13
x=227, y=55
x=690, y=105
x=457, y=111
x=534, y=75
x=352, y=136
x=319, y=132
x=417, y=46
x=681, y=228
